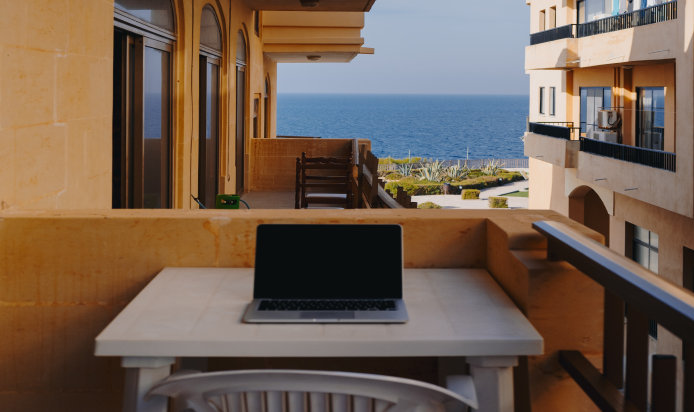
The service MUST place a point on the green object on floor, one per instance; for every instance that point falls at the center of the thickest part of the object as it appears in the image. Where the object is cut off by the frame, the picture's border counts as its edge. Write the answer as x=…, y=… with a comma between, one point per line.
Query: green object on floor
x=228, y=202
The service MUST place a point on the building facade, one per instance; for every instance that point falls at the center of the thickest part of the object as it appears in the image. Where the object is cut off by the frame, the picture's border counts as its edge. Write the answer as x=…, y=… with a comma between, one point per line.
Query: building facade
x=610, y=128
x=143, y=103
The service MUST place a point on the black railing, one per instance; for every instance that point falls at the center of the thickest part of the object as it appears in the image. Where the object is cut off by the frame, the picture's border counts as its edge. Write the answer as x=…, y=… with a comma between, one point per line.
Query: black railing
x=563, y=32
x=560, y=132
x=650, y=15
x=654, y=14
x=631, y=154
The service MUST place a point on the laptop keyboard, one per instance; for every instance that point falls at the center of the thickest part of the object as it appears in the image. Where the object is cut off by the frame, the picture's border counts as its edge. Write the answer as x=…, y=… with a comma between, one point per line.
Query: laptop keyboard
x=328, y=305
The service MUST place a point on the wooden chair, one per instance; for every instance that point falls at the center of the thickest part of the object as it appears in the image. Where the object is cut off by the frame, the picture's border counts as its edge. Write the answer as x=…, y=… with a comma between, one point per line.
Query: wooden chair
x=335, y=182
x=299, y=391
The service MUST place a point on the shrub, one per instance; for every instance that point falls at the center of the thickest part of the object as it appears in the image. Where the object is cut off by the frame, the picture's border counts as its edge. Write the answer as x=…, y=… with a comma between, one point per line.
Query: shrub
x=470, y=194
x=394, y=176
x=415, y=187
x=498, y=203
x=429, y=205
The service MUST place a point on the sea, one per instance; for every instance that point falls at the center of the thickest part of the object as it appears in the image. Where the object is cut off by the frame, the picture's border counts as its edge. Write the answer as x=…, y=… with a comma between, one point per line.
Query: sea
x=444, y=127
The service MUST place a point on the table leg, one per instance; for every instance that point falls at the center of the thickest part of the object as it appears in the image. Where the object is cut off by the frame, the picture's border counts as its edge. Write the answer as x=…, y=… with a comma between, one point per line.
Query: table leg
x=493, y=377
x=140, y=376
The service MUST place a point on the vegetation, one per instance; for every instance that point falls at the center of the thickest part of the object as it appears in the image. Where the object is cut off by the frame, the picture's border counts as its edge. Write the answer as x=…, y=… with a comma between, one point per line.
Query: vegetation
x=390, y=161
x=394, y=176
x=492, y=168
x=470, y=194
x=418, y=187
x=498, y=203
x=429, y=205
x=519, y=193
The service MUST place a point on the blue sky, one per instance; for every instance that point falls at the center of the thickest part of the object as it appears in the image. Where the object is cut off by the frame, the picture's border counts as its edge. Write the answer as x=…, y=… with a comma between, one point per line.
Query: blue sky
x=428, y=47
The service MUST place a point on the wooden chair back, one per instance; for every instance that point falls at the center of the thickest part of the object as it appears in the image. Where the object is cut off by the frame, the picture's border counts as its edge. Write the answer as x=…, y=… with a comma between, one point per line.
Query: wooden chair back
x=335, y=182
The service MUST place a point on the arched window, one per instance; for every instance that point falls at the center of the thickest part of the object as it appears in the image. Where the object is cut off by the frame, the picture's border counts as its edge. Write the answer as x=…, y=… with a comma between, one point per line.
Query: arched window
x=240, y=109
x=208, y=136
x=210, y=32
x=142, y=67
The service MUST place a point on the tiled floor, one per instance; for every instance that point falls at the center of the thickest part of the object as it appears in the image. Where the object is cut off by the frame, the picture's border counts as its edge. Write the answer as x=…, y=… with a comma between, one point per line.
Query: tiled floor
x=269, y=200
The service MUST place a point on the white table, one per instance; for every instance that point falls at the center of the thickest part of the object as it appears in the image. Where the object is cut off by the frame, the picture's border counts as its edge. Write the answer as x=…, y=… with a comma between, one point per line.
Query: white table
x=196, y=312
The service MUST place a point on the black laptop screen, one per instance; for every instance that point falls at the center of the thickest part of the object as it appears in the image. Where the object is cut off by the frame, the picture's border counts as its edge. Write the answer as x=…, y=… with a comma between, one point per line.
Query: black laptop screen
x=328, y=262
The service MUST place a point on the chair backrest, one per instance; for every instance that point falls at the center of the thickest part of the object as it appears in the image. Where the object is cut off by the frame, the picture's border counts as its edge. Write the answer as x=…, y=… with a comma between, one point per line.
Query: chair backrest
x=315, y=391
x=334, y=178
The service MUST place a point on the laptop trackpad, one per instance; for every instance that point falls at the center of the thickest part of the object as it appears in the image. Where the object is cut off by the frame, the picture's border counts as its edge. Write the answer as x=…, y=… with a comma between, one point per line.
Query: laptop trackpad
x=326, y=315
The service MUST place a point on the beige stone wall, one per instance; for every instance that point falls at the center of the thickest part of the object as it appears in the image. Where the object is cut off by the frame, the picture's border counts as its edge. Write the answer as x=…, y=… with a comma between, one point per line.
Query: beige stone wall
x=56, y=63
x=547, y=187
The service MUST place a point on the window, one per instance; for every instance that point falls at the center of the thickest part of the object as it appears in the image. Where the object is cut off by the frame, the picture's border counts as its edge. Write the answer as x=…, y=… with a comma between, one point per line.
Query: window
x=256, y=22
x=592, y=100
x=142, y=149
x=645, y=252
x=552, y=17
x=240, y=109
x=208, y=135
x=542, y=20
x=266, y=108
x=542, y=100
x=256, y=116
x=552, y=97
x=650, y=117
x=591, y=10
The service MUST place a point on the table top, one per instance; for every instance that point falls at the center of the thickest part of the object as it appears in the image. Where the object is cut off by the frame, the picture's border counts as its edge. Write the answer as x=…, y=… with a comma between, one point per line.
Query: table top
x=197, y=312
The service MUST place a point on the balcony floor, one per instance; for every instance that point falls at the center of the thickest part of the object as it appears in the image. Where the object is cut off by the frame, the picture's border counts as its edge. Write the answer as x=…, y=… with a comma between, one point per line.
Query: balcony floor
x=269, y=200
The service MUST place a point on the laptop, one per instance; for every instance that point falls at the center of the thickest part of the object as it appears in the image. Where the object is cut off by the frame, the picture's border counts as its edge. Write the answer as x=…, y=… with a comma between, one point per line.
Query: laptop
x=328, y=274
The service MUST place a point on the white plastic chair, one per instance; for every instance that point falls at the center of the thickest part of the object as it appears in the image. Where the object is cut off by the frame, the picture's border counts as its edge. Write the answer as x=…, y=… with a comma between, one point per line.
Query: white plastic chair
x=302, y=391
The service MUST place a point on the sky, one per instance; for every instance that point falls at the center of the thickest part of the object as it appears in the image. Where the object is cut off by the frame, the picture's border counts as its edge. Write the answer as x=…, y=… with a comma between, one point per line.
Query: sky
x=428, y=47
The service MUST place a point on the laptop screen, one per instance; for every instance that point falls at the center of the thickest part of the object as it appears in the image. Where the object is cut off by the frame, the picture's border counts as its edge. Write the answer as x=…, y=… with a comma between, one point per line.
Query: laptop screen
x=328, y=262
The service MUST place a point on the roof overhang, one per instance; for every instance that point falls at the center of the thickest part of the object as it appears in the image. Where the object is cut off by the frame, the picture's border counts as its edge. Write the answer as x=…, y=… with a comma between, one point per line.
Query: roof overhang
x=323, y=5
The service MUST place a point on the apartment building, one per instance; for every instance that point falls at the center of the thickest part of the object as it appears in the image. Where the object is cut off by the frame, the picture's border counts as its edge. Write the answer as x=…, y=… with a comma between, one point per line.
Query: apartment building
x=143, y=103
x=610, y=128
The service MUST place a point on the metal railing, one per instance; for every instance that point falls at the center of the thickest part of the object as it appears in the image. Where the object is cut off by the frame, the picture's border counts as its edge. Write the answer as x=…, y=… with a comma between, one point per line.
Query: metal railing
x=648, y=296
x=647, y=157
x=558, y=33
x=551, y=130
x=298, y=137
x=650, y=15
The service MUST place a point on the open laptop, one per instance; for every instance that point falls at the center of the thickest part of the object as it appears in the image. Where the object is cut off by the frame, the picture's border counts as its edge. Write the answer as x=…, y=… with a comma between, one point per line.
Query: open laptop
x=328, y=274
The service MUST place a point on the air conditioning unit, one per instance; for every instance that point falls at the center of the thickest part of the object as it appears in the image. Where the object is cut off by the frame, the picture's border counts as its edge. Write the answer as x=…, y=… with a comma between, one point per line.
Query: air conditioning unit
x=610, y=137
x=607, y=119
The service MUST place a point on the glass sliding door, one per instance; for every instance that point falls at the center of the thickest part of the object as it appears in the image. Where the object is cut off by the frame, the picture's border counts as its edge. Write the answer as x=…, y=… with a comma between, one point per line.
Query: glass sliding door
x=156, y=147
x=208, y=171
x=143, y=38
x=208, y=136
x=593, y=99
x=650, y=117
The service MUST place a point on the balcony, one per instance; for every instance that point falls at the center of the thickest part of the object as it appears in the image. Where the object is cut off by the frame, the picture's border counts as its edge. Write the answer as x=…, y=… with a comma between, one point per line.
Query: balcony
x=86, y=266
x=552, y=143
x=650, y=15
x=629, y=37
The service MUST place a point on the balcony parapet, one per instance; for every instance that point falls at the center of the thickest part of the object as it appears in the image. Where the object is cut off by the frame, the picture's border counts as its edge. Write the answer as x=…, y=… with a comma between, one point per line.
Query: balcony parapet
x=559, y=151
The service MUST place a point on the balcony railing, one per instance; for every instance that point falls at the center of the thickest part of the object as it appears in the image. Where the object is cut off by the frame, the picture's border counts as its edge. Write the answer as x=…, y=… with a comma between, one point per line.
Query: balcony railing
x=552, y=130
x=650, y=15
x=563, y=32
x=639, y=155
x=648, y=296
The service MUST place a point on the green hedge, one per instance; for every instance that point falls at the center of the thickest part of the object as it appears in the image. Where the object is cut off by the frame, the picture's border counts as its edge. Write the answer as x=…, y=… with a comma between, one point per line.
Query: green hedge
x=470, y=194
x=394, y=176
x=498, y=203
x=415, y=187
x=429, y=205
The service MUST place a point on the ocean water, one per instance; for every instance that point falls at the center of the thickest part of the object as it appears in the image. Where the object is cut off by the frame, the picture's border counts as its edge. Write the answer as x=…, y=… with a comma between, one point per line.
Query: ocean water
x=434, y=126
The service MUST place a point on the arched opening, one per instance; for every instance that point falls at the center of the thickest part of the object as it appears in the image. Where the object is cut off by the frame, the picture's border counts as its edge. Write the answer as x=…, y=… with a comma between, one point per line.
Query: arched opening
x=240, y=109
x=142, y=104
x=586, y=207
x=208, y=136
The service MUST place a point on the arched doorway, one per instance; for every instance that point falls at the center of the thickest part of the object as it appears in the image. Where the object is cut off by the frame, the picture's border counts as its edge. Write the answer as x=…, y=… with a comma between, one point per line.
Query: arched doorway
x=240, y=109
x=586, y=207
